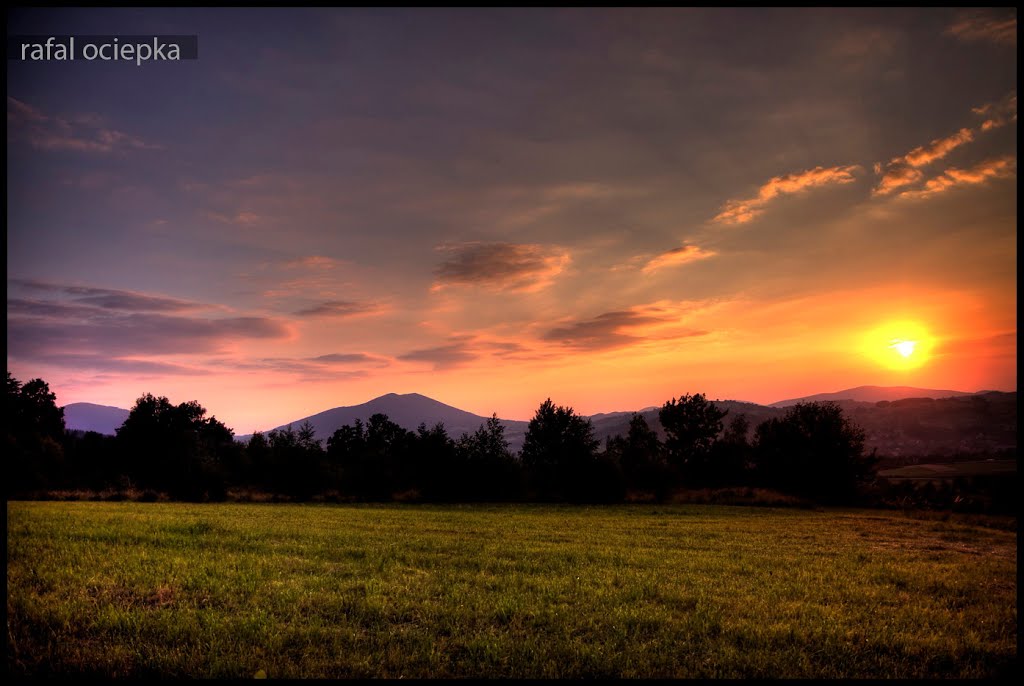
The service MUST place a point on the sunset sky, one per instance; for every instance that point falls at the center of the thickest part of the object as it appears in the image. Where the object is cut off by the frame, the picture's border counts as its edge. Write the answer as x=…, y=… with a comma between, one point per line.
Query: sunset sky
x=491, y=207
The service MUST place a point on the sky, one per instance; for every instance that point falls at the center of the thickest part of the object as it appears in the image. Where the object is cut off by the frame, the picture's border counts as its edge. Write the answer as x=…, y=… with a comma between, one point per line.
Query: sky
x=607, y=207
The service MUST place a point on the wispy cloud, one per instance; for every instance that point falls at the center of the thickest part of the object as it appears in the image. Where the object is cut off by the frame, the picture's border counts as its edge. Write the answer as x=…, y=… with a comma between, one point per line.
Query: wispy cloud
x=349, y=358
x=743, y=211
x=937, y=149
x=606, y=330
x=500, y=266
x=999, y=113
x=903, y=171
x=338, y=309
x=240, y=218
x=677, y=256
x=993, y=26
x=999, y=168
x=321, y=368
x=83, y=133
x=659, y=321
x=119, y=365
x=444, y=356
x=119, y=334
x=312, y=262
x=104, y=298
x=67, y=320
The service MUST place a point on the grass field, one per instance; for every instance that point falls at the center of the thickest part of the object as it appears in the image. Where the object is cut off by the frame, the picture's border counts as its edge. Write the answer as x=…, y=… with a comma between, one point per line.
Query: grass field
x=238, y=590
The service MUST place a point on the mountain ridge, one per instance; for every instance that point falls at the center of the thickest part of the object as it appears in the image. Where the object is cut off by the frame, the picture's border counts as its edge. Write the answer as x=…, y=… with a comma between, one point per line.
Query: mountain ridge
x=914, y=424
x=873, y=394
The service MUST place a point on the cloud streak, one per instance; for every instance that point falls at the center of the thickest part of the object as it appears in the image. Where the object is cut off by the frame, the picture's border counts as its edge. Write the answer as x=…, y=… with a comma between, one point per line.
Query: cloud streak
x=985, y=25
x=660, y=321
x=500, y=266
x=998, y=114
x=338, y=309
x=70, y=321
x=83, y=134
x=444, y=356
x=1000, y=168
x=676, y=257
x=903, y=171
x=107, y=298
x=743, y=211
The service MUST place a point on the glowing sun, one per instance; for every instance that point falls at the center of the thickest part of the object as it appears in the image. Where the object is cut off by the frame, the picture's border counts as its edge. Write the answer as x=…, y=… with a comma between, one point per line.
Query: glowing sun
x=905, y=348
x=898, y=345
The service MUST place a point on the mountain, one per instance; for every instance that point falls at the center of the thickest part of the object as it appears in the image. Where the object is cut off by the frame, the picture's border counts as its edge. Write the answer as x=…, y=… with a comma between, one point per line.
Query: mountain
x=102, y=419
x=408, y=411
x=873, y=394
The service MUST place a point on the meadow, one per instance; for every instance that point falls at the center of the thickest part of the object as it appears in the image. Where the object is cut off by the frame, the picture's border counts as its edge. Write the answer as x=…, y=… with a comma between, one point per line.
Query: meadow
x=124, y=589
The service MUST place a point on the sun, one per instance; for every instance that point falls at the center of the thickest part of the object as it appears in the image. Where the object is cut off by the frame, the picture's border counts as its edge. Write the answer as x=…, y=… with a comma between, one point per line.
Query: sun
x=898, y=344
x=905, y=348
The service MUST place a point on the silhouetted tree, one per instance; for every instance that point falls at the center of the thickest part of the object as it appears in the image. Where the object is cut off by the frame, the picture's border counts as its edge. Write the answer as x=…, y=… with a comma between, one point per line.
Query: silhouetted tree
x=34, y=437
x=376, y=460
x=438, y=470
x=692, y=423
x=175, y=448
x=296, y=466
x=641, y=457
x=257, y=452
x=491, y=471
x=347, y=458
x=559, y=454
x=730, y=461
x=815, y=451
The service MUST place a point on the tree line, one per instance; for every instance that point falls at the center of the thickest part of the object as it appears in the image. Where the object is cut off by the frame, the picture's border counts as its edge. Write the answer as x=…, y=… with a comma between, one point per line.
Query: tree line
x=814, y=451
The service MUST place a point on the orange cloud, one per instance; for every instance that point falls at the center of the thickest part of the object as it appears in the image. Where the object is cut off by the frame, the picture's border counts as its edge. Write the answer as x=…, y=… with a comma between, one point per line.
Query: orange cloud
x=902, y=171
x=980, y=173
x=897, y=177
x=743, y=211
x=677, y=256
x=937, y=149
x=999, y=113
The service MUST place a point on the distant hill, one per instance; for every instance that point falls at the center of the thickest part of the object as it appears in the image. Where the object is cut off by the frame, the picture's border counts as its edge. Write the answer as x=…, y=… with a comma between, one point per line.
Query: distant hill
x=408, y=411
x=102, y=419
x=873, y=394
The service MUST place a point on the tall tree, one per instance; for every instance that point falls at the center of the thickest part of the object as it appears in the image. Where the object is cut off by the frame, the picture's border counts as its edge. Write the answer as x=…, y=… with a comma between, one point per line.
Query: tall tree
x=641, y=457
x=176, y=448
x=491, y=471
x=559, y=452
x=730, y=461
x=692, y=423
x=34, y=437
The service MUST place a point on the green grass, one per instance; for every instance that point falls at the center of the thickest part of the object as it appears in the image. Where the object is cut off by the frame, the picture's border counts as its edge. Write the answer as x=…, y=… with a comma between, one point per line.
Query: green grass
x=160, y=589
